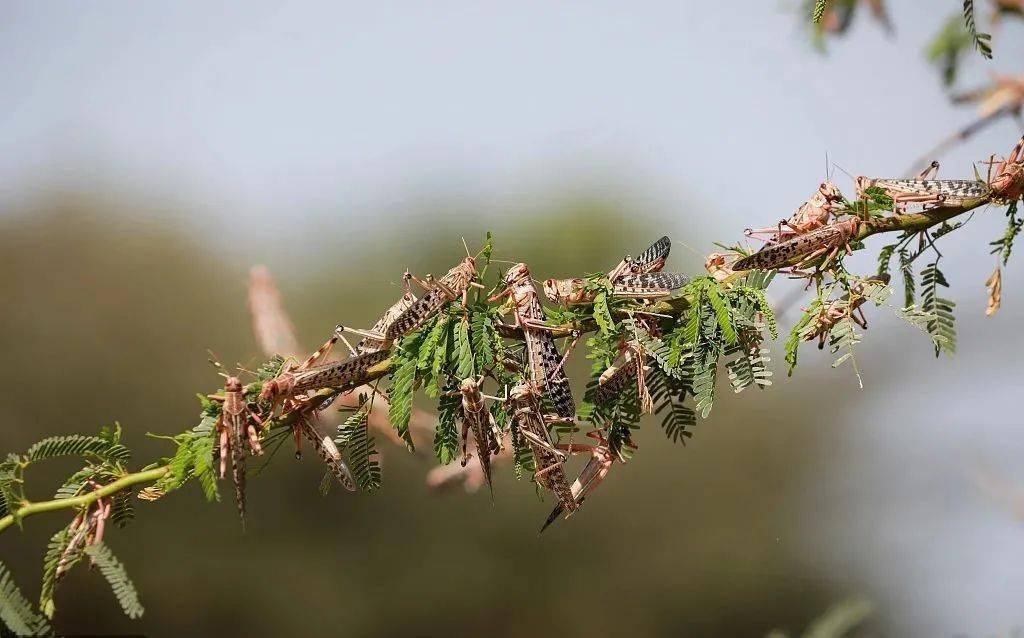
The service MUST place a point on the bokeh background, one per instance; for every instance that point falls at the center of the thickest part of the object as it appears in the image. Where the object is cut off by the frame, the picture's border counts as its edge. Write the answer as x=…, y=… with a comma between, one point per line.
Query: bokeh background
x=153, y=152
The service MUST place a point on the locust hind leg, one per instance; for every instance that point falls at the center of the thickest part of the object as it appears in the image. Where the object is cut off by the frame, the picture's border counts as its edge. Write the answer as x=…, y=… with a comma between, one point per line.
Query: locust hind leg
x=224, y=446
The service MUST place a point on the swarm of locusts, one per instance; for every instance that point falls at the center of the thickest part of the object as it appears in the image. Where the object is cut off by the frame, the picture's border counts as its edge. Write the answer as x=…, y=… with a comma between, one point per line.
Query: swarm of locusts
x=494, y=346
x=490, y=353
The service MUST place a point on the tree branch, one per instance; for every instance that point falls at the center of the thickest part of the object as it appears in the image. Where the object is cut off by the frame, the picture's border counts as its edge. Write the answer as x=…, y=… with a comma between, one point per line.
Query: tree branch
x=29, y=509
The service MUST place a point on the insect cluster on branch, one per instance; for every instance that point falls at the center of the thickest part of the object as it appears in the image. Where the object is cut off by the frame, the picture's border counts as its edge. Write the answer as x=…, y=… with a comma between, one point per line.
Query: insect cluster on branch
x=496, y=359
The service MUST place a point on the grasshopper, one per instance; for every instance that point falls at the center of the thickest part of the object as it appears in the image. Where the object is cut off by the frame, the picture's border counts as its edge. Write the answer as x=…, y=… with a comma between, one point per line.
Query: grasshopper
x=594, y=472
x=235, y=425
x=616, y=379
x=86, y=529
x=926, y=190
x=546, y=365
x=635, y=278
x=454, y=284
x=476, y=417
x=388, y=318
x=813, y=214
x=849, y=305
x=327, y=450
x=720, y=266
x=652, y=259
x=531, y=423
x=646, y=286
x=828, y=240
x=1008, y=183
x=308, y=376
x=409, y=313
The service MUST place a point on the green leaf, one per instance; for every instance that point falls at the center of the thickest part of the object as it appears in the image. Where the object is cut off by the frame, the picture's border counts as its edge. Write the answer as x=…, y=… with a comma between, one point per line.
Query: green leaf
x=943, y=327
x=446, y=436
x=16, y=611
x=603, y=314
x=400, y=396
x=982, y=41
x=464, y=351
x=907, y=268
x=354, y=438
x=819, y=10
x=722, y=313
x=114, y=572
x=78, y=445
x=481, y=340
x=1004, y=245
x=885, y=258
x=444, y=343
x=55, y=550
x=797, y=334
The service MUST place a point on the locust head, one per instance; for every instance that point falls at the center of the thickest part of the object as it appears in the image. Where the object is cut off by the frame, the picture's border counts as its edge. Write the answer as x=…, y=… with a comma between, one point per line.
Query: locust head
x=468, y=267
x=280, y=386
x=863, y=183
x=830, y=192
x=1008, y=183
x=565, y=291
x=233, y=384
x=516, y=273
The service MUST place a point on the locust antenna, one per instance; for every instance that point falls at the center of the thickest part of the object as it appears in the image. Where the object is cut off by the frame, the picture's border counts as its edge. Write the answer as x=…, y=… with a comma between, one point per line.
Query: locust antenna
x=686, y=246
x=466, y=246
x=845, y=172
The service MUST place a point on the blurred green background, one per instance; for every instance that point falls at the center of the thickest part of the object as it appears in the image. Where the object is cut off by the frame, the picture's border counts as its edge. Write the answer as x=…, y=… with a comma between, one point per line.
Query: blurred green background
x=154, y=153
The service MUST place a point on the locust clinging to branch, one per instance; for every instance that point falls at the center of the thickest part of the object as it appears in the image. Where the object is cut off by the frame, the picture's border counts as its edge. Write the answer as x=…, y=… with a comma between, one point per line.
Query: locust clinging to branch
x=813, y=214
x=638, y=278
x=594, y=472
x=308, y=377
x=532, y=425
x=828, y=241
x=476, y=417
x=850, y=305
x=545, y=364
x=453, y=285
x=926, y=190
x=235, y=425
x=1004, y=184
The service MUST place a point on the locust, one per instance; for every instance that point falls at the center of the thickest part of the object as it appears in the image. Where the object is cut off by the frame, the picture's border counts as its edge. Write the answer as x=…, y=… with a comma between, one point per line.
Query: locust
x=813, y=214
x=371, y=343
x=719, y=266
x=850, y=305
x=453, y=285
x=639, y=278
x=828, y=241
x=531, y=423
x=594, y=472
x=646, y=286
x=409, y=314
x=926, y=190
x=476, y=417
x=85, y=529
x=328, y=452
x=545, y=364
x=652, y=259
x=615, y=379
x=1008, y=183
x=308, y=376
x=234, y=426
